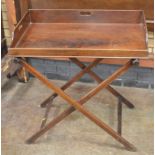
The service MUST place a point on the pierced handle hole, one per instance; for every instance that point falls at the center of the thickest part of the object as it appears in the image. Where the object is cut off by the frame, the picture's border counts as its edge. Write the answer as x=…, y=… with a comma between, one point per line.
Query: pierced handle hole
x=85, y=13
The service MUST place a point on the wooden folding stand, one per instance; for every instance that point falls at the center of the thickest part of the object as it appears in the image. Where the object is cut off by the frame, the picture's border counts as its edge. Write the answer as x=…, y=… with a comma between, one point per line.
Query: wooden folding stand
x=74, y=34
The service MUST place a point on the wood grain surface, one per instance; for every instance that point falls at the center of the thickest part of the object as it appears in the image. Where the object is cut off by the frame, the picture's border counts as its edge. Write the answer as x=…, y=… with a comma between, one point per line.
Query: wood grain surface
x=80, y=33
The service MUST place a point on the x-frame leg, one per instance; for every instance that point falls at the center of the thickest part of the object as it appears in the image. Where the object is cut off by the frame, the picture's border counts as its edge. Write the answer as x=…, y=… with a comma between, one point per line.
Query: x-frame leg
x=99, y=80
x=85, y=69
x=119, y=114
x=95, y=77
x=77, y=104
x=71, y=81
x=49, y=100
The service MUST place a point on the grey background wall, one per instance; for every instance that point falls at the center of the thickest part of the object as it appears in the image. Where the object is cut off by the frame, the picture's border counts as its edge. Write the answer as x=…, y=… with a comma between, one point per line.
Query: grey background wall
x=64, y=70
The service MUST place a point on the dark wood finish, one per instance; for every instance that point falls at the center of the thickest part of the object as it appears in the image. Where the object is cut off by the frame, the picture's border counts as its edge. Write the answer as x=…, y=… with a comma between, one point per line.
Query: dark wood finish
x=81, y=33
x=99, y=80
x=119, y=114
x=96, y=78
x=16, y=34
x=78, y=105
x=87, y=16
x=21, y=6
x=72, y=80
x=18, y=13
x=48, y=108
x=24, y=6
x=49, y=100
x=100, y=34
x=146, y=5
x=20, y=29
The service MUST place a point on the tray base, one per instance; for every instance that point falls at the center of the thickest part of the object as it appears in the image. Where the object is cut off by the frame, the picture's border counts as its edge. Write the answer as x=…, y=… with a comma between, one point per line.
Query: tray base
x=84, y=36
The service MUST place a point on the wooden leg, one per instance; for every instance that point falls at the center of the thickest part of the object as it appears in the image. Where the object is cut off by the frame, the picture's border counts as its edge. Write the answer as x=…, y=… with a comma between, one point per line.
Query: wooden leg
x=119, y=114
x=71, y=81
x=79, y=107
x=48, y=108
x=99, y=80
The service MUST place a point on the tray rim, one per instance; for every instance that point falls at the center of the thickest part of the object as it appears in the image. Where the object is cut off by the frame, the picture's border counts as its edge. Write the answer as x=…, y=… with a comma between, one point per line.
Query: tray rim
x=12, y=51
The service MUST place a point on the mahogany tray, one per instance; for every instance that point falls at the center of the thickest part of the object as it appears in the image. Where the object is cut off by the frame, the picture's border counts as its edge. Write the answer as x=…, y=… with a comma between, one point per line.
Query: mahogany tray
x=80, y=33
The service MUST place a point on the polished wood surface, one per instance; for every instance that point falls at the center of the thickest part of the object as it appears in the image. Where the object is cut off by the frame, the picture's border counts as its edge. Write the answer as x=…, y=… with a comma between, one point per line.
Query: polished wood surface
x=21, y=6
x=80, y=33
x=78, y=104
x=146, y=5
x=20, y=29
x=94, y=76
x=84, y=36
x=119, y=117
x=87, y=16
